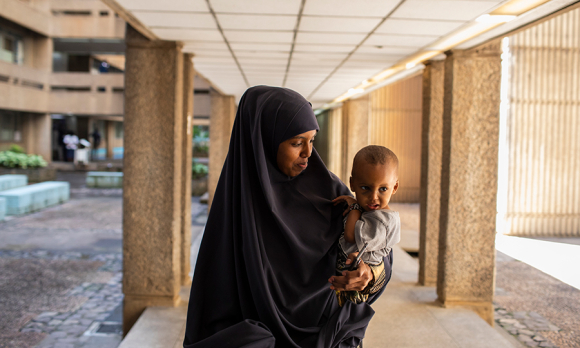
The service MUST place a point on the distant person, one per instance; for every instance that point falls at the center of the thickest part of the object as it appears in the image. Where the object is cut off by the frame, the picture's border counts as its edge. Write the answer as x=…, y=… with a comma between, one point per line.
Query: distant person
x=96, y=138
x=374, y=179
x=71, y=142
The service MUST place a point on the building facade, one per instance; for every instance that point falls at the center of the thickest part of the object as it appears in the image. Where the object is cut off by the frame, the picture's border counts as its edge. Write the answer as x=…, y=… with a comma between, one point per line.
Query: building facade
x=62, y=68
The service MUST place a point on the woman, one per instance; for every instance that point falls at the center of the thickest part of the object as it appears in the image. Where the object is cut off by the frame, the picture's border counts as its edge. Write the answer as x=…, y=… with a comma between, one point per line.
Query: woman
x=269, y=246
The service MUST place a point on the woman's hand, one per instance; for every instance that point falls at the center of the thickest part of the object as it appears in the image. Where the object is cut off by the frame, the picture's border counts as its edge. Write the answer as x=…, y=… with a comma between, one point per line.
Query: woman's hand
x=356, y=280
x=348, y=199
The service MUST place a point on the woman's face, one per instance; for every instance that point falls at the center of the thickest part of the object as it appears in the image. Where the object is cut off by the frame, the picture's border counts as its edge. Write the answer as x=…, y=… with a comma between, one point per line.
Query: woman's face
x=293, y=153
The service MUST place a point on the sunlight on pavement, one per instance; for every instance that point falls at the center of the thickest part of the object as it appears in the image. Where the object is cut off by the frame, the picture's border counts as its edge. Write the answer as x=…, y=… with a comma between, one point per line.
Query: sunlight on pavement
x=556, y=259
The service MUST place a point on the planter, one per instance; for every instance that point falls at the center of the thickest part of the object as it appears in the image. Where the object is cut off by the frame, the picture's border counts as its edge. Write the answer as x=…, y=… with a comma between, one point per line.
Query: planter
x=199, y=186
x=34, y=175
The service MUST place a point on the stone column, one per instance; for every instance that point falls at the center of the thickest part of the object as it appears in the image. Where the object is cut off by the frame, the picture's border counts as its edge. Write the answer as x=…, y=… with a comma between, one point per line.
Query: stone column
x=110, y=129
x=221, y=121
x=43, y=136
x=466, y=274
x=152, y=175
x=430, y=197
x=355, y=116
x=187, y=134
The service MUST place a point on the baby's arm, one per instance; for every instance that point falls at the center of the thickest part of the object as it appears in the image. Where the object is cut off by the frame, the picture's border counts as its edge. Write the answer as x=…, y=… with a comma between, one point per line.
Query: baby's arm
x=353, y=217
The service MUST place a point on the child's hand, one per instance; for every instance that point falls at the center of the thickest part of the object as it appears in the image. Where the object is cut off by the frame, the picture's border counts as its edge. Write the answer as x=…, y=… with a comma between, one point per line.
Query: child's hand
x=348, y=199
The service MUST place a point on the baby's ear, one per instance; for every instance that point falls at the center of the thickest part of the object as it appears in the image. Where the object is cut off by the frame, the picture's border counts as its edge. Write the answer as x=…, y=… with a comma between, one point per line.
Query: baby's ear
x=396, y=187
x=351, y=185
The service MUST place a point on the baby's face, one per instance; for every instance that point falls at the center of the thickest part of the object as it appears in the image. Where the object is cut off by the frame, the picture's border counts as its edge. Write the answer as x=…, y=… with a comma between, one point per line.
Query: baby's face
x=374, y=185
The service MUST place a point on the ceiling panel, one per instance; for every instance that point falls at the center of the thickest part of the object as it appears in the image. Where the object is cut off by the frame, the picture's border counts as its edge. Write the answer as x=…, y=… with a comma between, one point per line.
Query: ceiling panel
x=260, y=61
x=258, y=36
x=329, y=38
x=211, y=53
x=323, y=48
x=309, y=72
x=327, y=56
x=418, y=27
x=284, y=47
x=262, y=54
x=174, y=5
x=375, y=57
x=217, y=45
x=188, y=34
x=215, y=60
x=338, y=24
x=443, y=9
x=362, y=8
x=386, y=49
x=257, y=22
x=176, y=20
x=256, y=6
x=399, y=40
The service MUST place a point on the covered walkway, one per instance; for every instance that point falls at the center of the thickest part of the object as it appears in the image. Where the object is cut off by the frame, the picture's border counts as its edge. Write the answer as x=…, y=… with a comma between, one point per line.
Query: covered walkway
x=407, y=316
x=449, y=104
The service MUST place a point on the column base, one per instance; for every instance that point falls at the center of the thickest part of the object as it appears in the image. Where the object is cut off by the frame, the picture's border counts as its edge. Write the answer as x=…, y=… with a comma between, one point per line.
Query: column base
x=483, y=309
x=134, y=305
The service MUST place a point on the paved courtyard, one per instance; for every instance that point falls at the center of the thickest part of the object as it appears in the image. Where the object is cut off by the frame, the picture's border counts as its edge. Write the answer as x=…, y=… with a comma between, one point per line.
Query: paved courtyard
x=61, y=272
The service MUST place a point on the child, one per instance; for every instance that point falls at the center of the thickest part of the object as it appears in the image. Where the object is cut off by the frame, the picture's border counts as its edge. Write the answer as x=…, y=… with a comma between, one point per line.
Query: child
x=374, y=179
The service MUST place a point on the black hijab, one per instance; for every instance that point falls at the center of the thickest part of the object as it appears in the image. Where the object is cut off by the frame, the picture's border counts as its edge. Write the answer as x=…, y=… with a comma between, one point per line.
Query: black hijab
x=270, y=241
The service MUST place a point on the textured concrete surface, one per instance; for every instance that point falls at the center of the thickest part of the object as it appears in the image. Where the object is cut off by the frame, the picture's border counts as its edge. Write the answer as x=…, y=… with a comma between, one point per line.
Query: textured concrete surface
x=223, y=113
x=407, y=315
x=152, y=174
x=186, y=162
x=355, y=116
x=469, y=179
x=431, y=147
x=158, y=327
x=409, y=214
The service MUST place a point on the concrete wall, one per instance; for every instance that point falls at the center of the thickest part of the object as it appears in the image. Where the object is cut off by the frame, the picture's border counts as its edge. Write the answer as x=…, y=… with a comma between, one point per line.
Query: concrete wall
x=95, y=25
x=34, y=18
x=395, y=122
x=542, y=193
x=389, y=116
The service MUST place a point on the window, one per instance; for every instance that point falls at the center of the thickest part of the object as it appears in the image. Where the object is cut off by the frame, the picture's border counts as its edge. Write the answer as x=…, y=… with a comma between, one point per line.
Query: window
x=10, y=128
x=119, y=130
x=11, y=49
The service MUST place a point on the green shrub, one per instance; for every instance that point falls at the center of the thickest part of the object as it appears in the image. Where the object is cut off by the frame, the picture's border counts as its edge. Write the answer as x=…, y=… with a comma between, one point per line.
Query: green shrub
x=16, y=148
x=12, y=159
x=198, y=170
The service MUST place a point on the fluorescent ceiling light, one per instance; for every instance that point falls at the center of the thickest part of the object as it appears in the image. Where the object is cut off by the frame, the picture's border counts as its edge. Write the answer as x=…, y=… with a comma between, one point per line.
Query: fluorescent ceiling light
x=469, y=31
x=517, y=7
x=503, y=14
x=487, y=18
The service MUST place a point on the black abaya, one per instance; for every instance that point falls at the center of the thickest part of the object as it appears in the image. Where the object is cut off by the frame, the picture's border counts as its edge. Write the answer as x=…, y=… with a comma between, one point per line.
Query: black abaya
x=269, y=244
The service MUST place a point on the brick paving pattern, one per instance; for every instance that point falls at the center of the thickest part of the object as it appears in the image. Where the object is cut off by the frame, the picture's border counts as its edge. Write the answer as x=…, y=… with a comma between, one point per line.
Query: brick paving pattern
x=537, y=309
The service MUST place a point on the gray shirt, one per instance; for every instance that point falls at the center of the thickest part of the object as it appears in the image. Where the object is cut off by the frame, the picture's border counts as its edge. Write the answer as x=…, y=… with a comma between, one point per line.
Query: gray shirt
x=381, y=229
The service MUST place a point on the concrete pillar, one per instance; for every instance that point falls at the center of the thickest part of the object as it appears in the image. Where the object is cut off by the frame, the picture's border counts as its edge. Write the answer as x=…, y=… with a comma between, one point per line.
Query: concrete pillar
x=187, y=134
x=221, y=121
x=43, y=136
x=110, y=129
x=466, y=275
x=152, y=175
x=355, y=117
x=430, y=196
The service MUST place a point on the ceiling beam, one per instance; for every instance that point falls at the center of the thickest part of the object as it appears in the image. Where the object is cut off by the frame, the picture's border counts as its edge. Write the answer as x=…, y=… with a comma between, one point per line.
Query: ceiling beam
x=129, y=18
